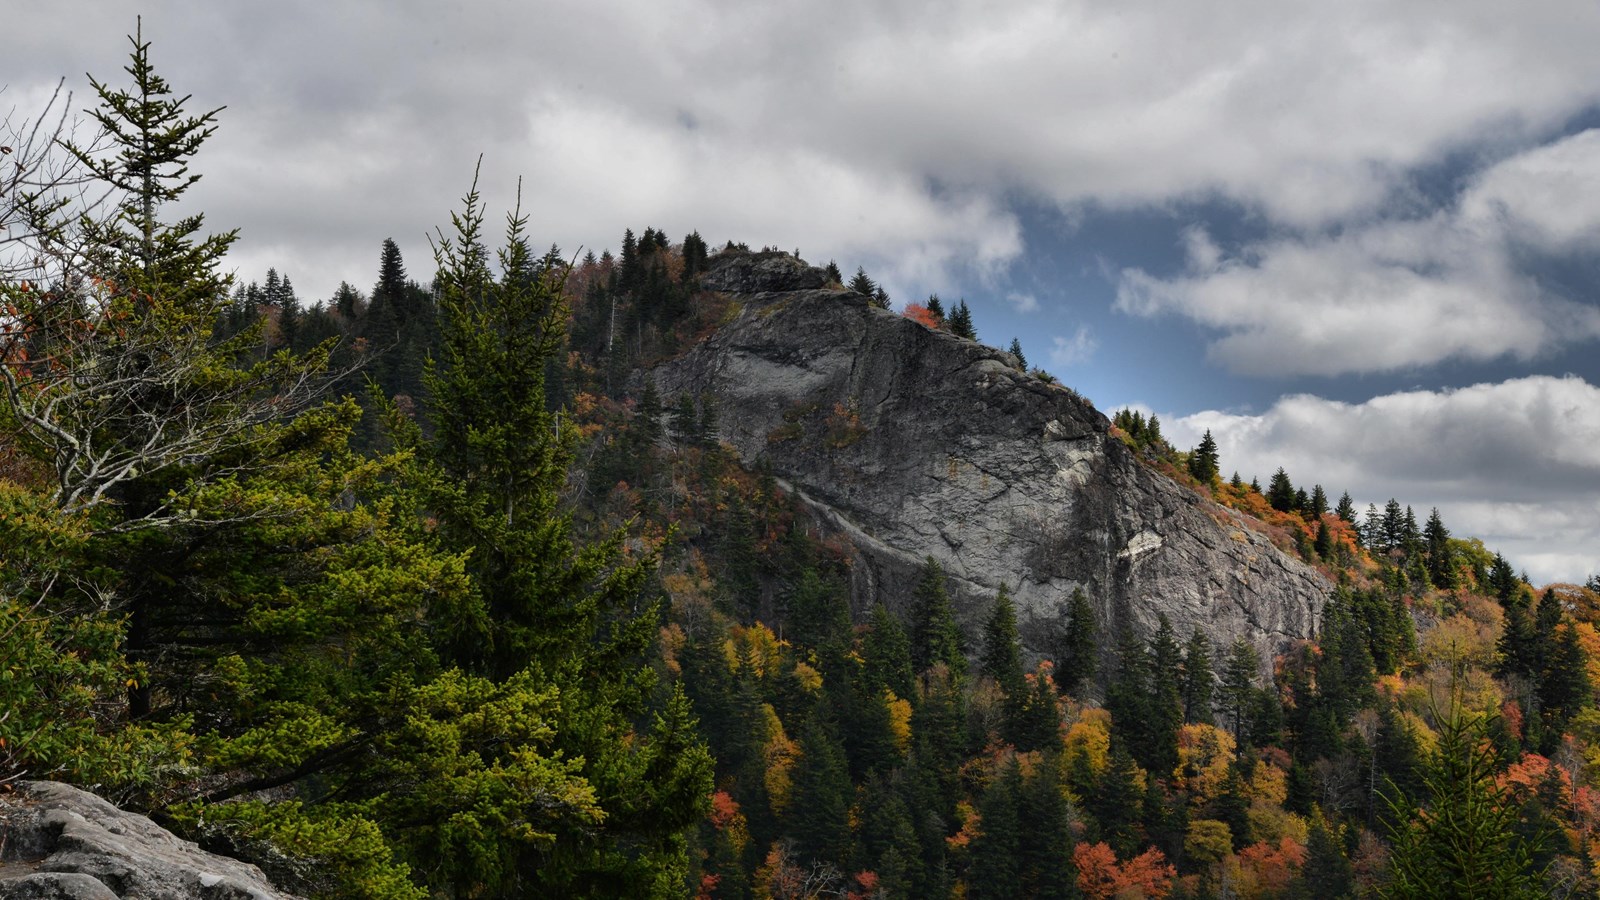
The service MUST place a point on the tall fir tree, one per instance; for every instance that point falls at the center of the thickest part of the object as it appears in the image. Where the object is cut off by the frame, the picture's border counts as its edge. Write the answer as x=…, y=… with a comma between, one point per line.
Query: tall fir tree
x=1199, y=679
x=1441, y=556
x=961, y=321
x=1077, y=645
x=1204, y=464
x=819, y=814
x=1319, y=502
x=996, y=870
x=862, y=283
x=886, y=654
x=1346, y=509
x=1280, y=492
x=935, y=637
x=1239, y=674
x=1463, y=841
x=1166, y=708
x=1002, y=656
x=573, y=620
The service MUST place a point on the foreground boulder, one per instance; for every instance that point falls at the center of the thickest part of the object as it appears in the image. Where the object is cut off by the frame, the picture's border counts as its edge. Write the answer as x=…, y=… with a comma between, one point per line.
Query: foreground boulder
x=61, y=843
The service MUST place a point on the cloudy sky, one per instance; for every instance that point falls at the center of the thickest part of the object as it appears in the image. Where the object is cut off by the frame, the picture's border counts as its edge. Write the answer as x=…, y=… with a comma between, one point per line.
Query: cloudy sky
x=1358, y=240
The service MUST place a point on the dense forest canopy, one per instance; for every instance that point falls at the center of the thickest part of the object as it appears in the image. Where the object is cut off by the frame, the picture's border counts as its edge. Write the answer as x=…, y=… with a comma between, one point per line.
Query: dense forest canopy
x=429, y=591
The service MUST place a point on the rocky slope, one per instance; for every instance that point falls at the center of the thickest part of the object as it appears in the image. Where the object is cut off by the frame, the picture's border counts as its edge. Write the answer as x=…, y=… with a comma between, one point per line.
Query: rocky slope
x=916, y=443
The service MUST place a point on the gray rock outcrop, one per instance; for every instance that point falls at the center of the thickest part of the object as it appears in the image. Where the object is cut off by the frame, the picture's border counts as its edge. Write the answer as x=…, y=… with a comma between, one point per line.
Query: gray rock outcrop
x=61, y=843
x=916, y=443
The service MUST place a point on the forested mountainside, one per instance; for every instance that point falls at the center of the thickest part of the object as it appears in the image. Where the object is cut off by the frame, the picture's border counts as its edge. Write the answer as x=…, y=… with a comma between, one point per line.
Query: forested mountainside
x=682, y=573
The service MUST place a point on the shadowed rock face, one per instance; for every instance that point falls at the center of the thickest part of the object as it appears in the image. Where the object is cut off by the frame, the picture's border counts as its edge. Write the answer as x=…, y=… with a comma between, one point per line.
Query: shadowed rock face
x=916, y=443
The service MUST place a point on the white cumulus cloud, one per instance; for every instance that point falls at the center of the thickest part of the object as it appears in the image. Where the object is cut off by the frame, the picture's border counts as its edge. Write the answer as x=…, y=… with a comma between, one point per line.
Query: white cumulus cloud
x=893, y=125
x=1023, y=303
x=1395, y=295
x=1516, y=463
x=1074, y=350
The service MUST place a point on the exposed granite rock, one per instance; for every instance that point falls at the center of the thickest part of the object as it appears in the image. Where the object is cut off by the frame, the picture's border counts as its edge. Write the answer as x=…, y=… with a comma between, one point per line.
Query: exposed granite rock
x=743, y=272
x=57, y=841
x=916, y=443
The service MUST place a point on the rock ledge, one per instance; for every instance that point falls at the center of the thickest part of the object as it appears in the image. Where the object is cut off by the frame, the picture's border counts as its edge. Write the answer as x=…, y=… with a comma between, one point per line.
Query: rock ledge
x=61, y=843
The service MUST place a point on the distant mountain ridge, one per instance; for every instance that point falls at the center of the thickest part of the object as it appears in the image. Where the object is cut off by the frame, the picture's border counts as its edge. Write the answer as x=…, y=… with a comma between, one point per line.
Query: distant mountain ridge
x=914, y=443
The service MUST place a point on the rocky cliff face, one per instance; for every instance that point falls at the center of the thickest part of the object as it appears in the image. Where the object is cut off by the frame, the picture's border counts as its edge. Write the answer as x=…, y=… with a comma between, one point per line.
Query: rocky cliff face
x=916, y=443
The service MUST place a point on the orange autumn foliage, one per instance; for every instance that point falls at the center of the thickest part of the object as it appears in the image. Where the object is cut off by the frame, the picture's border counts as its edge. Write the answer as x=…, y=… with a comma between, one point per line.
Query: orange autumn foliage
x=1265, y=870
x=1101, y=877
x=866, y=886
x=723, y=810
x=920, y=314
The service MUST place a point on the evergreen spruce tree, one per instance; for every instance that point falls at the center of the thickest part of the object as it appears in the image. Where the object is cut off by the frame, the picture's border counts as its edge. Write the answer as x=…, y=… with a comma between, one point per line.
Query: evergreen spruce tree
x=819, y=613
x=154, y=141
x=1441, y=557
x=575, y=621
x=1199, y=679
x=1016, y=350
x=1044, y=852
x=695, y=254
x=1280, y=492
x=348, y=303
x=1117, y=801
x=1323, y=544
x=1393, y=528
x=996, y=872
x=1077, y=645
x=1561, y=671
x=708, y=429
x=1166, y=708
x=1411, y=534
x=1502, y=579
x=145, y=409
x=1002, y=656
x=961, y=321
x=819, y=812
x=1136, y=721
x=1346, y=509
x=935, y=637
x=1346, y=670
x=388, y=295
x=1035, y=723
x=1516, y=652
x=938, y=723
x=1463, y=842
x=886, y=654
x=1238, y=686
x=1203, y=461
x=1231, y=806
x=630, y=271
x=647, y=417
x=862, y=284
x=1327, y=874
x=1319, y=502
x=887, y=842
x=1396, y=765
